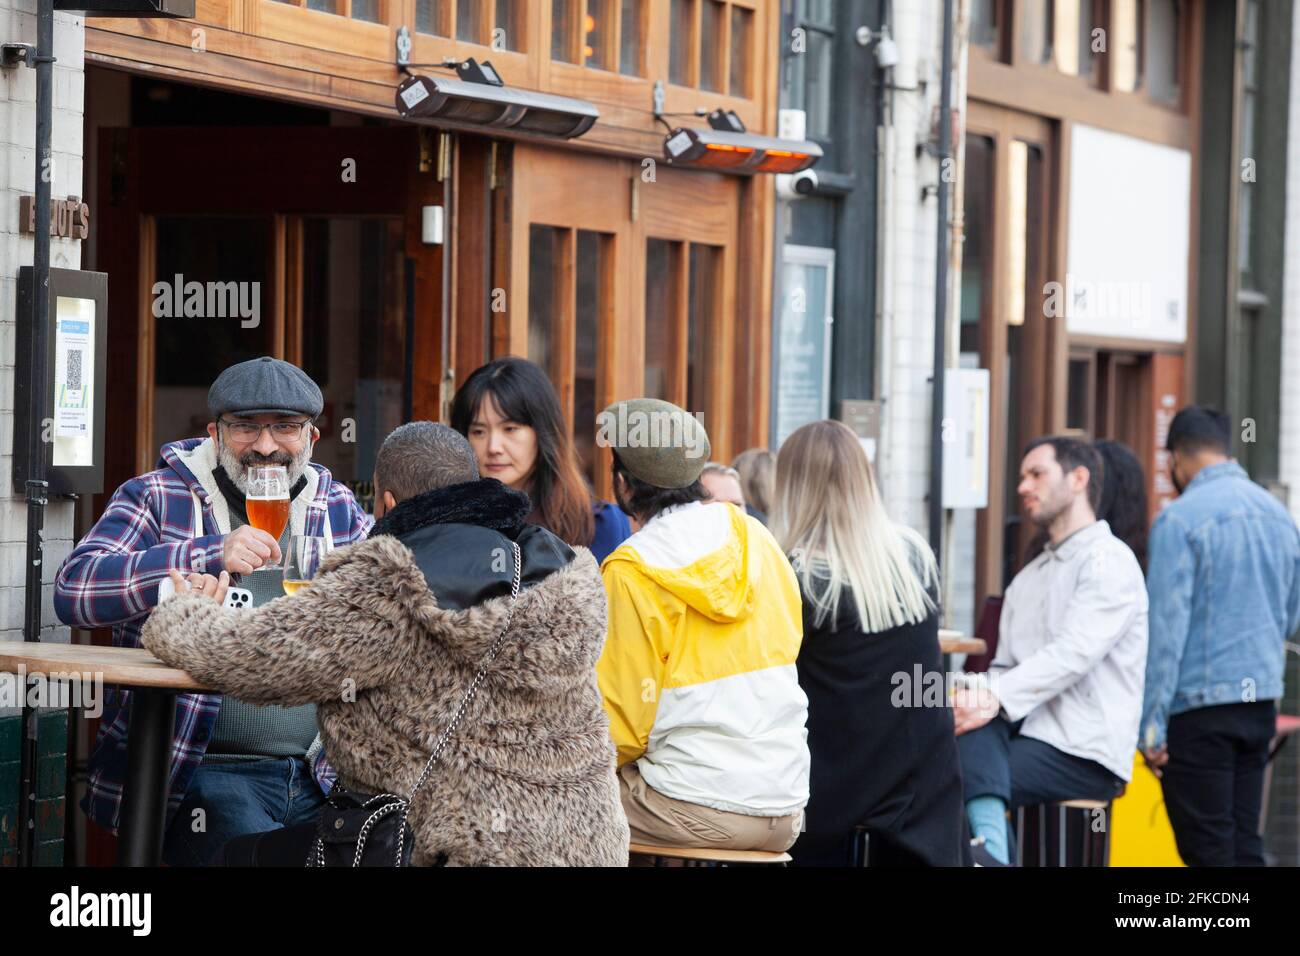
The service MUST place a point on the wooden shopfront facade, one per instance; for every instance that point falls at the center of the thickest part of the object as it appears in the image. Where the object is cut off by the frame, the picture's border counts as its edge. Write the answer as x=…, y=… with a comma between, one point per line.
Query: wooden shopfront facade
x=1083, y=117
x=259, y=143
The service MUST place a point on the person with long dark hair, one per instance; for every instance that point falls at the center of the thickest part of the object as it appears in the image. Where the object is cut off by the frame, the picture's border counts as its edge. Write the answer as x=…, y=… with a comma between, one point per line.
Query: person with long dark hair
x=1124, y=496
x=511, y=415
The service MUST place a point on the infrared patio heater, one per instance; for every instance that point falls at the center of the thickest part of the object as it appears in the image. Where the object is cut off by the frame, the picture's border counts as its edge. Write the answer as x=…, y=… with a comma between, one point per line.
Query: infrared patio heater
x=477, y=97
x=725, y=145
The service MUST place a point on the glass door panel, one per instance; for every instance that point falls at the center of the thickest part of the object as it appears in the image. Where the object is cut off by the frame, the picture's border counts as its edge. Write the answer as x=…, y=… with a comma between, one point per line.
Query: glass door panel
x=211, y=306
x=355, y=339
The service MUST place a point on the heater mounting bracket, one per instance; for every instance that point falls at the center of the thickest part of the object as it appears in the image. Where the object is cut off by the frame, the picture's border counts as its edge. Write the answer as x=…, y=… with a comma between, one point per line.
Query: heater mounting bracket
x=21, y=54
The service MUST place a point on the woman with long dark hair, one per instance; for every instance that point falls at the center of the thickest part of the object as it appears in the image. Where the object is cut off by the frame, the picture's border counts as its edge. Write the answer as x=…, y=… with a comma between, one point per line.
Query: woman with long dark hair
x=511, y=415
x=1124, y=497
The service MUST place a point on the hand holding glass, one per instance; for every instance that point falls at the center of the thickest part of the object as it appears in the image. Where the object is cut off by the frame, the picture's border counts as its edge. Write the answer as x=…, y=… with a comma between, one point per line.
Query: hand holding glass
x=303, y=562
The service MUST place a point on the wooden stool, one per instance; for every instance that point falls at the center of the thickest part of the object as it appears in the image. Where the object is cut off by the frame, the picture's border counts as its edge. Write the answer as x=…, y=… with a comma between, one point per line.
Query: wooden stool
x=693, y=856
x=1050, y=827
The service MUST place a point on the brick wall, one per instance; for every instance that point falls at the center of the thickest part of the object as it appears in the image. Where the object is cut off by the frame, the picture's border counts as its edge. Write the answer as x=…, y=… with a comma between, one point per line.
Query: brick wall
x=17, y=178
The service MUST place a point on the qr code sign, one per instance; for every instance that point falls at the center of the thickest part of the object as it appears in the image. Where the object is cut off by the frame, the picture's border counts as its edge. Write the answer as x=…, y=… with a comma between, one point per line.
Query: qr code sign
x=72, y=374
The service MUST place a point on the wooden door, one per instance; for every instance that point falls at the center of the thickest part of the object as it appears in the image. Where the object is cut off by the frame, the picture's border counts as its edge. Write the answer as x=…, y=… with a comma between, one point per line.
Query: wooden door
x=572, y=262
x=1019, y=341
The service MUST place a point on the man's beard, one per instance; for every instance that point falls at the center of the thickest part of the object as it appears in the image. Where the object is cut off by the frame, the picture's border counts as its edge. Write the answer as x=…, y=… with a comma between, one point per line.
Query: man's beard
x=1173, y=476
x=1049, y=512
x=236, y=467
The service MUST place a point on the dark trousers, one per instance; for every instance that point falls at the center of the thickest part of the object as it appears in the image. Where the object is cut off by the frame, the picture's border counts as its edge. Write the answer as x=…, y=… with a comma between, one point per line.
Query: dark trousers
x=1214, y=782
x=997, y=761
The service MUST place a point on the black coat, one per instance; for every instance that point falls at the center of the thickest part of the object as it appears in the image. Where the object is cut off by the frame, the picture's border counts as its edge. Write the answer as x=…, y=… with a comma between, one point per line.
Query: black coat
x=892, y=769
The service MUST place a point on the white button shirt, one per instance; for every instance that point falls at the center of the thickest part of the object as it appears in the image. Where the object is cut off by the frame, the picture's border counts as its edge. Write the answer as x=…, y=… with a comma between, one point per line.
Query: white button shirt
x=1072, y=648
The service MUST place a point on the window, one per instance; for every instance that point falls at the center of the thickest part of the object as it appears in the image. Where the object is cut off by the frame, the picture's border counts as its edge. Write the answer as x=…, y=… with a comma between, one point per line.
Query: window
x=711, y=13
x=1126, y=44
x=977, y=249
x=711, y=45
x=682, y=29
x=984, y=23
x=469, y=25
x=810, y=72
x=1249, y=102
x=367, y=10
x=705, y=284
x=543, y=305
x=1164, y=40
x=567, y=294
x=598, y=35
x=632, y=30
x=1072, y=24
x=661, y=320
x=742, y=43
x=508, y=28
x=431, y=17
x=1036, y=31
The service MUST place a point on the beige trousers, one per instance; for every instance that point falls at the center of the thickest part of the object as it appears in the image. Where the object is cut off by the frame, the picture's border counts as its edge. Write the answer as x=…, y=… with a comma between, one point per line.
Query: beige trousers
x=662, y=821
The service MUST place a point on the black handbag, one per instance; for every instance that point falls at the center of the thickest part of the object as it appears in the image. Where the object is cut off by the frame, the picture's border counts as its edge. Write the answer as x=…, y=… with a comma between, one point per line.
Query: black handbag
x=360, y=830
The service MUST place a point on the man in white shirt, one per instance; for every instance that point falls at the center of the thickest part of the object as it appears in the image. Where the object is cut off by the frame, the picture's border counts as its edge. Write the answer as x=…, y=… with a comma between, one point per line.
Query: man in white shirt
x=1059, y=717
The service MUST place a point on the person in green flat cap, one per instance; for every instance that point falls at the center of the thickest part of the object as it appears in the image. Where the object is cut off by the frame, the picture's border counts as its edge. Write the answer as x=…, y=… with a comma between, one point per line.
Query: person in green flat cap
x=698, y=670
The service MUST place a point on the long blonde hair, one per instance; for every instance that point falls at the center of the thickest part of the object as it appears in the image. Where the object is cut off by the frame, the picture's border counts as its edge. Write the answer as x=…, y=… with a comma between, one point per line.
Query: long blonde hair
x=831, y=521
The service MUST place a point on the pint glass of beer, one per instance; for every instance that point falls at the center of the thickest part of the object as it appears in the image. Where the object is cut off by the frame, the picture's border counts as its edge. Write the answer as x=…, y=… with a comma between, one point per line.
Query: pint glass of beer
x=268, y=500
x=303, y=561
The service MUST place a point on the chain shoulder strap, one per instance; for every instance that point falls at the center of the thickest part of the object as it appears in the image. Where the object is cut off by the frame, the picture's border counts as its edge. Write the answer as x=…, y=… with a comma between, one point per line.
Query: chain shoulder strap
x=479, y=677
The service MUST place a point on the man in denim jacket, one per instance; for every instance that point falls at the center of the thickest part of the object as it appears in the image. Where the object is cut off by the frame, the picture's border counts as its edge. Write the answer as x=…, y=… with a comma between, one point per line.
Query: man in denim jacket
x=1224, y=586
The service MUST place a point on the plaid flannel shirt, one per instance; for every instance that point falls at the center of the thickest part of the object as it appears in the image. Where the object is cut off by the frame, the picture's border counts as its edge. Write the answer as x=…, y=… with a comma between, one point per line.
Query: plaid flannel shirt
x=111, y=579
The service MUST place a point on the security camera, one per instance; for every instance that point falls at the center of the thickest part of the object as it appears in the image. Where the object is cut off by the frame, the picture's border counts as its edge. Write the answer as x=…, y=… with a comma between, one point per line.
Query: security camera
x=798, y=185
x=887, y=53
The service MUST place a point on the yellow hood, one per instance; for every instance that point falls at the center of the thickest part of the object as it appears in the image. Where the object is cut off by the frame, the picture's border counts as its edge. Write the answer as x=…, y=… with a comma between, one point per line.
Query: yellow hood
x=706, y=564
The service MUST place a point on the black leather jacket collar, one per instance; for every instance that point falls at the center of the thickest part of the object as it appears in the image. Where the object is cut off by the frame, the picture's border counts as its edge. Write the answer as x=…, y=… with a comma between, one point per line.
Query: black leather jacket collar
x=460, y=536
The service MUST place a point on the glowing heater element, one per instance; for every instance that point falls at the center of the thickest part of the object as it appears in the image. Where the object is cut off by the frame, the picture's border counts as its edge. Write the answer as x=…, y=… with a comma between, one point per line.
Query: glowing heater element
x=739, y=152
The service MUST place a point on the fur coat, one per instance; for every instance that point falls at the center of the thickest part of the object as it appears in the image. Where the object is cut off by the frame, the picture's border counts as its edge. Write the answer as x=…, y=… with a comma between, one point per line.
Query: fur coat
x=529, y=778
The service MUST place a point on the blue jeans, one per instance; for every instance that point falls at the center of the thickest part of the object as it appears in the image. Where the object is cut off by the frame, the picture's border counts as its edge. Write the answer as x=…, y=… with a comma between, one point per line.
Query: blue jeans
x=997, y=762
x=237, y=798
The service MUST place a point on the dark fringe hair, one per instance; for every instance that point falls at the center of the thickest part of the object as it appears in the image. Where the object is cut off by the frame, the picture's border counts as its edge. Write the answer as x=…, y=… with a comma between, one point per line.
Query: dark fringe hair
x=524, y=395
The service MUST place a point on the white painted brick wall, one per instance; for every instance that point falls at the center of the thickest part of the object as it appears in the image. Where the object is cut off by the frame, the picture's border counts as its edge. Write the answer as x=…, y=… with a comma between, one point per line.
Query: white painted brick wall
x=1289, y=440
x=18, y=177
x=904, y=458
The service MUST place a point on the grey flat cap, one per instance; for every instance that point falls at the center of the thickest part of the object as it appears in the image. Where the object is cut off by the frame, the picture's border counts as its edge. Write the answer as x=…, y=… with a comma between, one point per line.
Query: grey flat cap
x=264, y=386
x=655, y=440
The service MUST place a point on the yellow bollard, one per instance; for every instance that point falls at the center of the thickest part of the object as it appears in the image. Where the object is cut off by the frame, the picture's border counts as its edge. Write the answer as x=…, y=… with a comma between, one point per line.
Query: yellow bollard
x=1140, y=831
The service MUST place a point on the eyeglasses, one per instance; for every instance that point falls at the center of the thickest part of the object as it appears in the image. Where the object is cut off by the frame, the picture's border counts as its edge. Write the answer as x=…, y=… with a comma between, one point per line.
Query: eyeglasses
x=251, y=431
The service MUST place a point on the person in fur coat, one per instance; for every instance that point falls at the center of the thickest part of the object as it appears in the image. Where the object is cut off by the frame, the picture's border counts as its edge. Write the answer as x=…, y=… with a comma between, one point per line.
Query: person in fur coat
x=388, y=637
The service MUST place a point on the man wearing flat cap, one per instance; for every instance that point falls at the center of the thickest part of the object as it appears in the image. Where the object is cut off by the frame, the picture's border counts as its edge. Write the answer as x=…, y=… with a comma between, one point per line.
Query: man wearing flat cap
x=698, y=670
x=246, y=768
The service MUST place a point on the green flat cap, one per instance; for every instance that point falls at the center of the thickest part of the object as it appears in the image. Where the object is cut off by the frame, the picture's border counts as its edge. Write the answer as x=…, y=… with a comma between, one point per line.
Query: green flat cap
x=657, y=442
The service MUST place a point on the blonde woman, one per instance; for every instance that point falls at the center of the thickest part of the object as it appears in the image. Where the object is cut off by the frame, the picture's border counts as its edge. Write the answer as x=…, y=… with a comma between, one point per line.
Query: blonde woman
x=884, y=758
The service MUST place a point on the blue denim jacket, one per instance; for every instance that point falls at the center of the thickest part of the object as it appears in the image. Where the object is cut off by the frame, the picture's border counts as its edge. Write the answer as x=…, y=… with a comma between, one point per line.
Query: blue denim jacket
x=1224, y=587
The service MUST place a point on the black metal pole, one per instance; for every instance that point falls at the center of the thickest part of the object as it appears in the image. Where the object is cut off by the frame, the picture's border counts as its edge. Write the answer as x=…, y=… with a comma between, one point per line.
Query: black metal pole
x=941, y=289
x=36, y=484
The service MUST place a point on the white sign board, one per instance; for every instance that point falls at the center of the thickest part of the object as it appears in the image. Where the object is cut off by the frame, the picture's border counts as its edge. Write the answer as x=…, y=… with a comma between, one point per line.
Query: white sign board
x=803, y=339
x=1130, y=209
x=74, y=382
x=966, y=438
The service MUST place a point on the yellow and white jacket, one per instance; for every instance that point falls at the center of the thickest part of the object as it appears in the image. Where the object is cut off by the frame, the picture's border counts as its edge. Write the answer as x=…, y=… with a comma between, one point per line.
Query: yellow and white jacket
x=698, y=671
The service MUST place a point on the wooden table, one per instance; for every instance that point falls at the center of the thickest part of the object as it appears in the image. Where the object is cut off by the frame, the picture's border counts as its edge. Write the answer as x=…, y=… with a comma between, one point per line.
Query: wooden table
x=954, y=642
x=154, y=687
